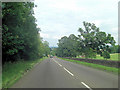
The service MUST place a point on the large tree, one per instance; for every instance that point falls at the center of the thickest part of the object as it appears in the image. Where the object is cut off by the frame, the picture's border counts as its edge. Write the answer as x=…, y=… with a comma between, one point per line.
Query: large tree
x=67, y=46
x=93, y=41
x=115, y=49
x=21, y=38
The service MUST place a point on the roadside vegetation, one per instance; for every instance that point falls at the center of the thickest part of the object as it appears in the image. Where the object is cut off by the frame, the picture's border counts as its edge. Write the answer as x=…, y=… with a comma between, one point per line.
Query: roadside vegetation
x=90, y=43
x=20, y=35
x=113, y=57
x=101, y=67
x=0, y=80
x=14, y=71
x=22, y=44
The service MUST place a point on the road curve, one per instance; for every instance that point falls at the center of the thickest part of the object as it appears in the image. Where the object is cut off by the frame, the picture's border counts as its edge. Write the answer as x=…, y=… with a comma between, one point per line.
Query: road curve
x=57, y=73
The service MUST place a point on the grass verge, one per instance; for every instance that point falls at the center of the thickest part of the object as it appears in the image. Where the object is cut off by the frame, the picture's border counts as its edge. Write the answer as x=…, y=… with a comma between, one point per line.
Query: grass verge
x=14, y=71
x=113, y=57
x=0, y=81
x=97, y=66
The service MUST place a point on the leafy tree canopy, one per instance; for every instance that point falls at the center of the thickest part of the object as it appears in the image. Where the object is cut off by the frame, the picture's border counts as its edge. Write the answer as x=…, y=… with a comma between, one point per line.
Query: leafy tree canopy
x=21, y=38
x=88, y=43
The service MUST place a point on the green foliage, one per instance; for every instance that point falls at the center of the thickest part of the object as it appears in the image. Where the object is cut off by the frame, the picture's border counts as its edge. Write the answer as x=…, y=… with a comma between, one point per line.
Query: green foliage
x=14, y=71
x=46, y=48
x=106, y=55
x=115, y=49
x=67, y=46
x=113, y=57
x=53, y=51
x=21, y=38
x=89, y=53
x=88, y=43
x=97, y=66
x=93, y=41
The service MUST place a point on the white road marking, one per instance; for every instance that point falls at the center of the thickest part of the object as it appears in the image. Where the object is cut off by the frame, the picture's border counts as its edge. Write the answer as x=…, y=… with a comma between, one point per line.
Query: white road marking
x=73, y=75
x=68, y=71
x=86, y=85
x=57, y=63
x=64, y=68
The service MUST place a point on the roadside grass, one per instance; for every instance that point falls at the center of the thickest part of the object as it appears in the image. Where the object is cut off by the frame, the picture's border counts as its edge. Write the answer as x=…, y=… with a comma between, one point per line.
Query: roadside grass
x=113, y=57
x=14, y=71
x=97, y=66
x=0, y=81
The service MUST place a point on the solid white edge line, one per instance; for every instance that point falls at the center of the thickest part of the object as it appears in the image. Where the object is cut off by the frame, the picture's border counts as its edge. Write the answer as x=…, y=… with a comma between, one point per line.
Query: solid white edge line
x=68, y=71
x=86, y=85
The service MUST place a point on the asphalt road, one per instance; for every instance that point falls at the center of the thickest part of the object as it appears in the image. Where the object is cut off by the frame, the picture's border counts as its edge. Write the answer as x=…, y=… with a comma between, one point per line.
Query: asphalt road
x=57, y=73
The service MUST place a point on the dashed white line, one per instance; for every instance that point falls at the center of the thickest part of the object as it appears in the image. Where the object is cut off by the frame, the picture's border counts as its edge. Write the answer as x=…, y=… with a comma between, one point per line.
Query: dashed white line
x=68, y=71
x=56, y=61
x=73, y=75
x=59, y=64
x=86, y=85
x=64, y=68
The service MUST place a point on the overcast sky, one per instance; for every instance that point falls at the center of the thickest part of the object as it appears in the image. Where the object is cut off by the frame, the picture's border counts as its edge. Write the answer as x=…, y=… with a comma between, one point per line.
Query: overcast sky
x=58, y=18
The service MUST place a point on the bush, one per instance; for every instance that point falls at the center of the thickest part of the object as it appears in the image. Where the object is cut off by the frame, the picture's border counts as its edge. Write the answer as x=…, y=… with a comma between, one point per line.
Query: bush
x=106, y=55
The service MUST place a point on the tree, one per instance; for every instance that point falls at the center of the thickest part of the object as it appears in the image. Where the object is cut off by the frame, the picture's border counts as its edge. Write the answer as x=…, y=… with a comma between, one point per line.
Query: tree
x=115, y=49
x=46, y=48
x=93, y=41
x=53, y=51
x=106, y=55
x=67, y=46
x=21, y=38
x=118, y=49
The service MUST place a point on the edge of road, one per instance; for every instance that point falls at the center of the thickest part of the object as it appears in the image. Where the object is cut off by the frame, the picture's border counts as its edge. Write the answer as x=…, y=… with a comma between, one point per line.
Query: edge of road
x=69, y=71
x=24, y=73
x=102, y=67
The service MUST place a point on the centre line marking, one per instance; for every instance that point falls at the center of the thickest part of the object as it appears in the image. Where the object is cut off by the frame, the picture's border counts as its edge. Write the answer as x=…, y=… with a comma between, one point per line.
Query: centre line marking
x=68, y=71
x=86, y=85
x=58, y=63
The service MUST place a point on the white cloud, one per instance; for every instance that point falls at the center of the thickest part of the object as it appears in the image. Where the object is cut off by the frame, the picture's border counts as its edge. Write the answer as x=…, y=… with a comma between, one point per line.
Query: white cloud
x=114, y=33
x=56, y=37
x=57, y=18
x=44, y=35
x=67, y=5
x=98, y=22
x=114, y=30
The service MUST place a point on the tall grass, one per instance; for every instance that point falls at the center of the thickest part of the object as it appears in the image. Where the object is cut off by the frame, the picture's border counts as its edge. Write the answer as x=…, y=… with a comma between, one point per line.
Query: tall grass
x=14, y=71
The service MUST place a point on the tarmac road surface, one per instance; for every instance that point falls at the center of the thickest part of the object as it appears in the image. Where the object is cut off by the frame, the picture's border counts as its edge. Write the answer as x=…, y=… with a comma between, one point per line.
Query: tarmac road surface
x=57, y=73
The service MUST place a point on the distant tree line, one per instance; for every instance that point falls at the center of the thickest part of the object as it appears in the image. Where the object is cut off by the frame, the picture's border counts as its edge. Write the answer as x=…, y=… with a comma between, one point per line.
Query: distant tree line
x=90, y=42
x=115, y=49
x=20, y=35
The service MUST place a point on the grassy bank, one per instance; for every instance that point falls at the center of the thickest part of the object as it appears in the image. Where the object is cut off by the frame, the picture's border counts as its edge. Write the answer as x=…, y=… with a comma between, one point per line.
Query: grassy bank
x=97, y=66
x=14, y=71
x=112, y=57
